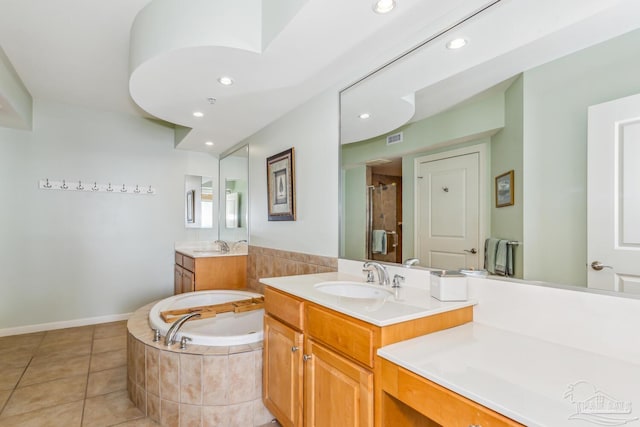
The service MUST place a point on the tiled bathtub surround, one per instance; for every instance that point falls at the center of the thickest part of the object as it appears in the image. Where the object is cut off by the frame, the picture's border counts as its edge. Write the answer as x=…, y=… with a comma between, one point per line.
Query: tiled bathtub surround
x=201, y=386
x=266, y=262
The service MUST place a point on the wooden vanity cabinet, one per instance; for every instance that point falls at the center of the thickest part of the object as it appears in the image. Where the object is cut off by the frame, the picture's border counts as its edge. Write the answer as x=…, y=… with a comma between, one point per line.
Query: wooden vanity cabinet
x=338, y=370
x=198, y=274
x=338, y=391
x=410, y=400
x=282, y=365
x=183, y=280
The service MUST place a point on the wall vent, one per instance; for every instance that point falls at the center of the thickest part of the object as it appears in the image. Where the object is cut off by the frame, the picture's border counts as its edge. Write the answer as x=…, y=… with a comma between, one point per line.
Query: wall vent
x=394, y=138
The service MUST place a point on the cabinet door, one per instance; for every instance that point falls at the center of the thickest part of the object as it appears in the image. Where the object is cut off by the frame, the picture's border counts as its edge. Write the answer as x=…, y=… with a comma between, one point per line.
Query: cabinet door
x=177, y=279
x=338, y=392
x=282, y=372
x=187, y=281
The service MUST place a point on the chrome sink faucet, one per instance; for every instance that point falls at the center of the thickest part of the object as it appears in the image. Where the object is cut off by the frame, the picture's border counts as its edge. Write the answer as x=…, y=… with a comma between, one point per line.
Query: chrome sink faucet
x=224, y=246
x=383, y=274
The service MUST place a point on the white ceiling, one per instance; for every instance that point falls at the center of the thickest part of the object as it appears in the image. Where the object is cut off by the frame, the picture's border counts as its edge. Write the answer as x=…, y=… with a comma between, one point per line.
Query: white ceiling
x=77, y=52
x=507, y=39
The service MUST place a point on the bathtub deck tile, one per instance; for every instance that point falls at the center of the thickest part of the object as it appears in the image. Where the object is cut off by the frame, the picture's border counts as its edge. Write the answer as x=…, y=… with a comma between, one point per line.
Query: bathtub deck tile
x=169, y=413
x=153, y=371
x=190, y=416
x=241, y=377
x=169, y=376
x=244, y=348
x=215, y=382
x=191, y=379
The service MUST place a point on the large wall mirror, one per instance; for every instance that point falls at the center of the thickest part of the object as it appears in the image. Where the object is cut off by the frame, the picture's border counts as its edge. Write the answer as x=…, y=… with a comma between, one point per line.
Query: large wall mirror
x=234, y=190
x=198, y=201
x=424, y=139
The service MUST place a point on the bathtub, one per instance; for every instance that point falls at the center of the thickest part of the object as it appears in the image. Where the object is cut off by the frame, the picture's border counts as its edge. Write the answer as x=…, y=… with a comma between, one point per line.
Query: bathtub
x=215, y=381
x=225, y=329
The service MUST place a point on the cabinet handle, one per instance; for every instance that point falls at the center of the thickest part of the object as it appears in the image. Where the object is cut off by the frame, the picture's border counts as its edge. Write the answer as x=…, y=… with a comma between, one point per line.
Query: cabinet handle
x=294, y=349
x=306, y=357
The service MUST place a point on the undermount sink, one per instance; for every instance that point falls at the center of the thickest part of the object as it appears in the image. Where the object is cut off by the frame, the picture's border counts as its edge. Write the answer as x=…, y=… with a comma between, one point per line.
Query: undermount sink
x=353, y=290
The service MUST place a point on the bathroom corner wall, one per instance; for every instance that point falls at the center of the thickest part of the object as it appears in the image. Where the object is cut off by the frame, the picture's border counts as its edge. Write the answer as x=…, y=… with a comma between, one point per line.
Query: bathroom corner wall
x=82, y=257
x=266, y=262
x=312, y=130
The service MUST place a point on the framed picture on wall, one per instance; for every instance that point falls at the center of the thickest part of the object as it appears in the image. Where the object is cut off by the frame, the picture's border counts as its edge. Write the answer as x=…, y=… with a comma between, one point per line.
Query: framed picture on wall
x=504, y=189
x=191, y=200
x=281, y=186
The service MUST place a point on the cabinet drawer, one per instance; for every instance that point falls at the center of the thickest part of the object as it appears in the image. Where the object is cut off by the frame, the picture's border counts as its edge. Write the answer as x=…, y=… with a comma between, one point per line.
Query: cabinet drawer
x=436, y=402
x=284, y=307
x=343, y=334
x=189, y=263
x=179, y=258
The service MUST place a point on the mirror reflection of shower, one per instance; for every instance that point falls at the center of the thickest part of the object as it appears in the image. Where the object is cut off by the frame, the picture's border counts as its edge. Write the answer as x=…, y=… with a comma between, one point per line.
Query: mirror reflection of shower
x=384, y=210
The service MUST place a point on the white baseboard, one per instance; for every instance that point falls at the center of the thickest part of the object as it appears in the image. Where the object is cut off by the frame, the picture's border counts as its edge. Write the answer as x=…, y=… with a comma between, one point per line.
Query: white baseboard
x=27, y=329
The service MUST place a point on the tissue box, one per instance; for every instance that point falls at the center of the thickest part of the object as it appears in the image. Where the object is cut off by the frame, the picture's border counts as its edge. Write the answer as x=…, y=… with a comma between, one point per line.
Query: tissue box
x=448, y=285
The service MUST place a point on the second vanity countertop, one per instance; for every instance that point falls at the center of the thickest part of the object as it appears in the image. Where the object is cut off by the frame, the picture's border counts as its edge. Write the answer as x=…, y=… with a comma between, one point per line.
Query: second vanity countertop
x=532, y=381
x=412, y=303
x=207, y=249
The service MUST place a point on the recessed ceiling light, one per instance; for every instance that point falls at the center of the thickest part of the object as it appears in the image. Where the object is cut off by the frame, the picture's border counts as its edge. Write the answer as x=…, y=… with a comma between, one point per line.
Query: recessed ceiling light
x=457, y=43
x=225, y=80
x=209, y=143
x=383, y=6
x=364, y=116
x=198, y=114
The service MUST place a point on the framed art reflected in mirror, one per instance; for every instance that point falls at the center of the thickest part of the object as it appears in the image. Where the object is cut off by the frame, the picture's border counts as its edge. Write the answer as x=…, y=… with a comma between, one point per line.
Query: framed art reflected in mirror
x=504, y=189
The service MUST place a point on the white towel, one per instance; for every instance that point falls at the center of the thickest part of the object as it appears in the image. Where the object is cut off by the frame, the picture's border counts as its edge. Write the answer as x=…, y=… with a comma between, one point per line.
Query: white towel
x=379, y=242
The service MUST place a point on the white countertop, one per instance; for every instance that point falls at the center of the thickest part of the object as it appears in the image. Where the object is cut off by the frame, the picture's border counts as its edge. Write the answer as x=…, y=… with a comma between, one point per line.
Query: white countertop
x=411, y=303
x=207, y=249
x=207, y=253
x=527, y=379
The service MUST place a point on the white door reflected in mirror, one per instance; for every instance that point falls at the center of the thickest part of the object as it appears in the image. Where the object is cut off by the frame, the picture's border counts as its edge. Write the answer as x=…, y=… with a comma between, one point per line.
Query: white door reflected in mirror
x=614, y=195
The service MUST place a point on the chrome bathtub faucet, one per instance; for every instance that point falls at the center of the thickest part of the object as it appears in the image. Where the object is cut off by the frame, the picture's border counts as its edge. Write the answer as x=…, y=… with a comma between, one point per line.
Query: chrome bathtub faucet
x=170, y=338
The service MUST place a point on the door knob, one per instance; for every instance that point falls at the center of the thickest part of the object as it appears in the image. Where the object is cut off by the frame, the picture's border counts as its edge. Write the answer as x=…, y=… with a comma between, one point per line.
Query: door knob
x=294, y=349
x=597, y=266
x=306, y=357
x=471, y=251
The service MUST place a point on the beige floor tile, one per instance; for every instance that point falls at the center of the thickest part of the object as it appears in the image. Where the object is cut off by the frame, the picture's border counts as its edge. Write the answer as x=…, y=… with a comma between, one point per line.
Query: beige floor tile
x=102, y=345
x=78, y=333
x=140, y=422
x=108, y=360
x=14, y=359
x=39, y=396
x=27, y=343
x=107, y=381
x=4, y=396
x=9, y=377
x=43, y=369
x=78, y=337
x=109, y=409
x=108, y=330
x=64, y=347
x=67, y=415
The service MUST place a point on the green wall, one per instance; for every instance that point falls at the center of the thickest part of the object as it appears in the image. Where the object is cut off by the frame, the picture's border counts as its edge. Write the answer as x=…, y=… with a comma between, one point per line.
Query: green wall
x=506, y=154
x=556, y=98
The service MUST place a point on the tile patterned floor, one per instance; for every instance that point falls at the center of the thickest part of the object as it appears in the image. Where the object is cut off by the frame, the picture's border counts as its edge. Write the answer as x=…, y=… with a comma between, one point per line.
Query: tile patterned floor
x=67, y=377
